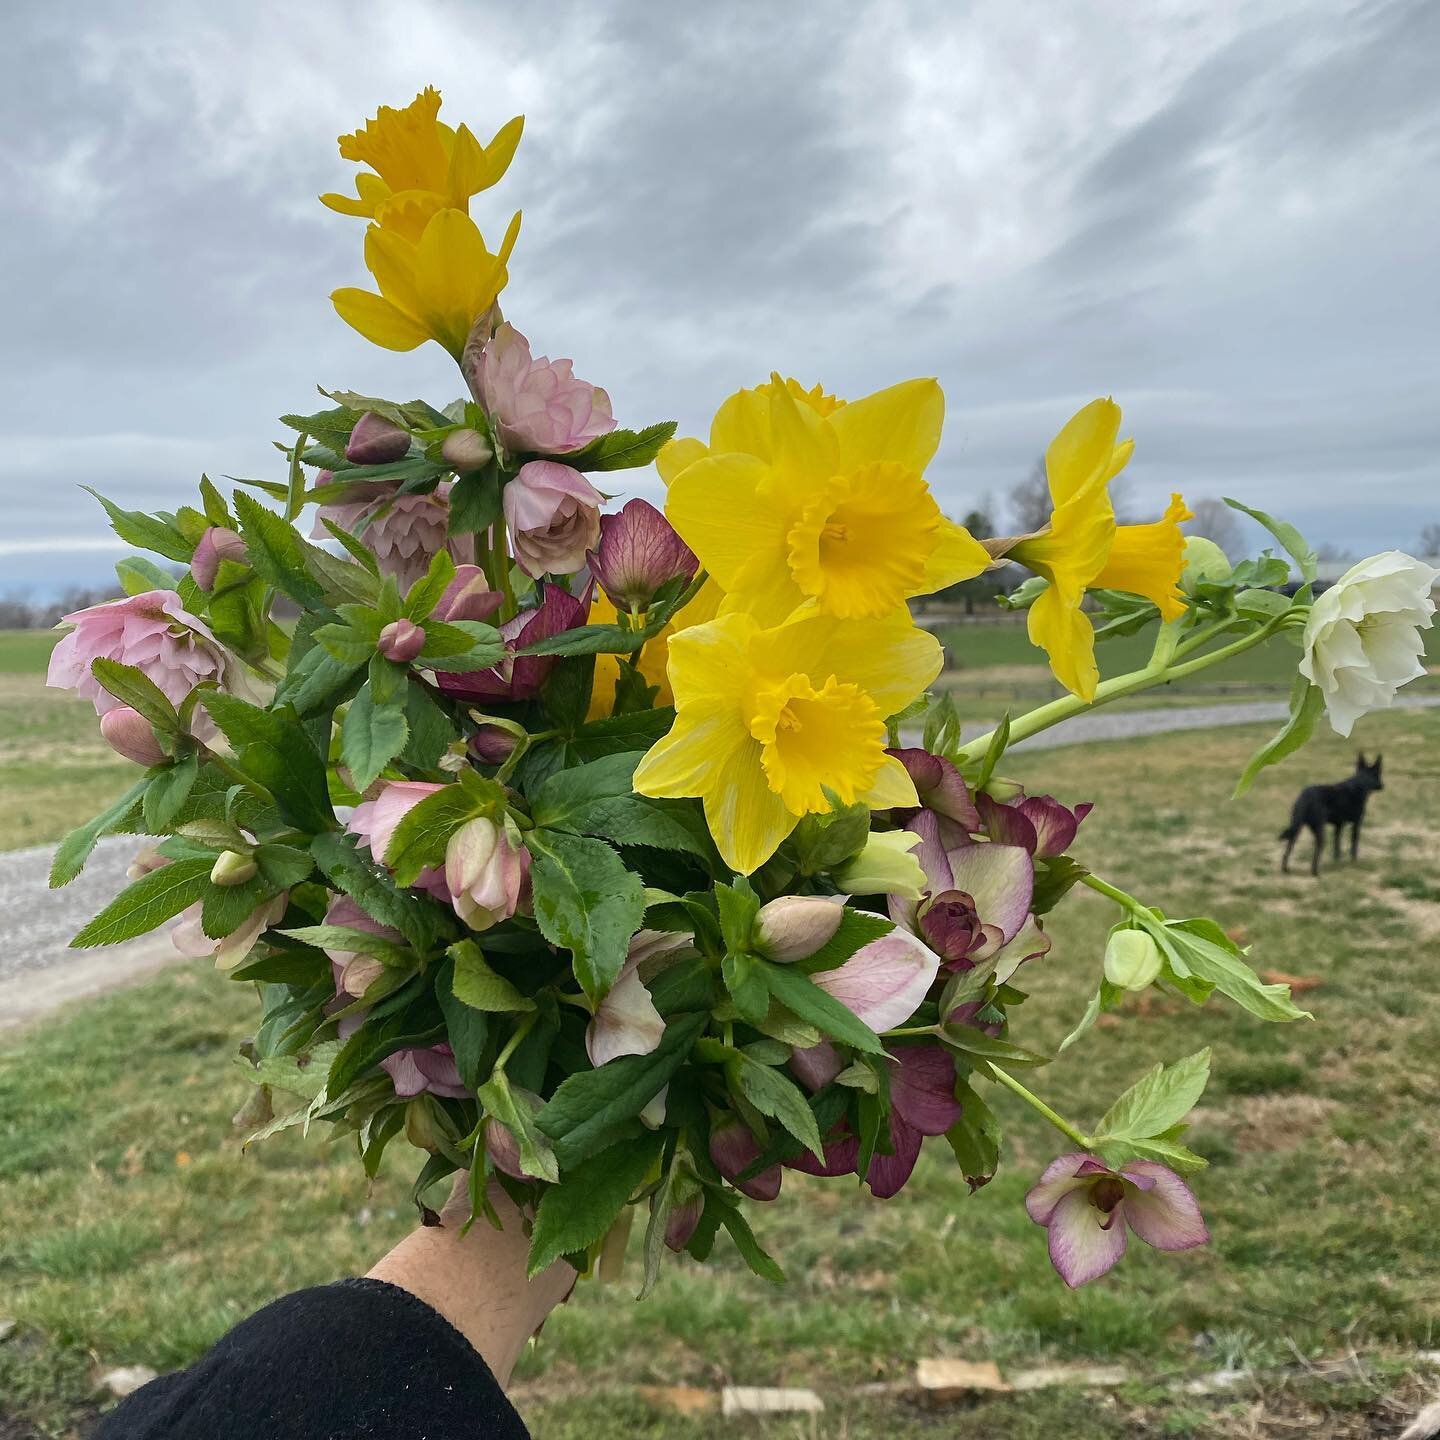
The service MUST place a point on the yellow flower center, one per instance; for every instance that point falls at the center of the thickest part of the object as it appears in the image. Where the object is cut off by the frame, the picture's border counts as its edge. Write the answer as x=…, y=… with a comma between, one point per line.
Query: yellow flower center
x=813, y=740
x=860, y=546
x=816, y=398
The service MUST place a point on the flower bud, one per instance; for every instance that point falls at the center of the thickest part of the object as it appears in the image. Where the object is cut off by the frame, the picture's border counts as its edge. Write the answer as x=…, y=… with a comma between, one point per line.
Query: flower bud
x=503, y=1148
x=1132, y=959
x=885, y=866
x=129, y=733
x=375, y=441
x=232, y=868
x=257, y=1110
x=639, y=552
x=468, y=596
x=360, y=974
x=682, y=1220
x=733, y=1149
x=998, y=788
x=1204, y=560
x=491, y=745
x=144, y=862
x=794, y=927
x=401, y=641
x=424, y=1124
x=216, y=544
x=464, y=450
x=487, y=872
x=553, y=515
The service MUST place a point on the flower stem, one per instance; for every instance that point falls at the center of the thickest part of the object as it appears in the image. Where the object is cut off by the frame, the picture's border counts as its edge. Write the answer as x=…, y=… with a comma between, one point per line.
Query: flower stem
x=1103, y=887
x=1036, y=1103
x=521, y=1031
x=235, y=773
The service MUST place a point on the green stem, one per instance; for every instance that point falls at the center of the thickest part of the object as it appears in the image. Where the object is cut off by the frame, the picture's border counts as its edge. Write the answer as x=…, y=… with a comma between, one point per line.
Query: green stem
x=911, y=1030
x=1103, y=887
x=235, y=773
x=1036, y=1103
x=1044, y=716
x=521, y=1031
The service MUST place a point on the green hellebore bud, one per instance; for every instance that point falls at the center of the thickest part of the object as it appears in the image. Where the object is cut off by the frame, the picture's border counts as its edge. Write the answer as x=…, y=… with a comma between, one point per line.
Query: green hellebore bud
x=794, y=927
x=1204, y=560
x=1001, y=790
x=884, y=866
x=1133, y=960
x=232, y=868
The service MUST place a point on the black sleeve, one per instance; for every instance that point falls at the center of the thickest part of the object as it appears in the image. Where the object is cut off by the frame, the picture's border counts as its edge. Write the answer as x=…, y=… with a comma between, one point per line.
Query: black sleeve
x=359, y=1358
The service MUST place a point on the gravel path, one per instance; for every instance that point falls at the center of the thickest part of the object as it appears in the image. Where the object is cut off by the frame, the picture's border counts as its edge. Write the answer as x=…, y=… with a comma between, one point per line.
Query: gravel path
x=41, y=921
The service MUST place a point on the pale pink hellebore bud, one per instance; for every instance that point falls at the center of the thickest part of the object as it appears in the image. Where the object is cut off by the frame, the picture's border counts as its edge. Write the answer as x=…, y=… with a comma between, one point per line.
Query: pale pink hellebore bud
x=468, y=596
x=639, y=552
x=464, y=450
x=401, y=641
x=794, y=927
x=232, y=868
x=129, y=733
x=216, y=544
x=376, y=441
x=682, y=1221
x=486, y=869
x=553, y=514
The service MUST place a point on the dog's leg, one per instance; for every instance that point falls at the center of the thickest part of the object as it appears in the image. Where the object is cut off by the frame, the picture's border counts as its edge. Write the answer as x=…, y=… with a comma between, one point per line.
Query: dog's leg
x=1336, y=846
x=1289, y=846
x=1318, y=831
x=1355, y=840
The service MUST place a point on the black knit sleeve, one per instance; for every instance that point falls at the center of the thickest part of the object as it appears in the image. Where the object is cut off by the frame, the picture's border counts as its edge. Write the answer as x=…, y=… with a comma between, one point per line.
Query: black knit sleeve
x=359, y=1358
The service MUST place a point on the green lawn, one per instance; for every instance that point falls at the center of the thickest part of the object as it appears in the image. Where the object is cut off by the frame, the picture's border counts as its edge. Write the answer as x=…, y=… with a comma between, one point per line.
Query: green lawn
x=134, y=1230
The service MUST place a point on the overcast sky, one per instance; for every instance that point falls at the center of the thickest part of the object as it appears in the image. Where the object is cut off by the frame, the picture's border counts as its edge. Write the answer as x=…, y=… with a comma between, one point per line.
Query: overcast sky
x=1224, y=214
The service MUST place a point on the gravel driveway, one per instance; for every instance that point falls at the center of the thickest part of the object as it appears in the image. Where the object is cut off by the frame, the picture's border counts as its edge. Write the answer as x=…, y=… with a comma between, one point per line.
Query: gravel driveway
x=38, y=970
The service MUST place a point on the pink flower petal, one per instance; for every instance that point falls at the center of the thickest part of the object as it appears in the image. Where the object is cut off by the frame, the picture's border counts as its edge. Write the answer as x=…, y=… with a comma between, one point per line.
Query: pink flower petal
x=922, y=1088
x=884, y=982
x=1001, y=881
x=1081, y=1247
x=627, y=1022
x=1061, y=1176
x=1006, y=824
x=1054, y=824
x=888, y=1173
x=1166, y=1215
x=816, y=1066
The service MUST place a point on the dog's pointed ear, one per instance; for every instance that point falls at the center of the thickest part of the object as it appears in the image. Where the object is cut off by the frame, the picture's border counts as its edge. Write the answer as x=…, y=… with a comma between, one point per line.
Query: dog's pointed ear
x=1360, y=760
x=1376, y=766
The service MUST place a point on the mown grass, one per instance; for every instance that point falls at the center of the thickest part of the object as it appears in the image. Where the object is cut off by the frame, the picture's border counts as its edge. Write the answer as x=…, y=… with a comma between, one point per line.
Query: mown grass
x=134, y=1230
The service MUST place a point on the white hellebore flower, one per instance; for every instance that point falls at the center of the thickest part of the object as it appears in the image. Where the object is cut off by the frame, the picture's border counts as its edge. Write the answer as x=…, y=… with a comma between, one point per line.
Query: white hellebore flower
x=1362, y=640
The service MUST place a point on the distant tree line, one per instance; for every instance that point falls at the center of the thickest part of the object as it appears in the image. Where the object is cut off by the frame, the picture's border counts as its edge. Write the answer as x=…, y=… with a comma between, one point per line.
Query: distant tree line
x=17, y=613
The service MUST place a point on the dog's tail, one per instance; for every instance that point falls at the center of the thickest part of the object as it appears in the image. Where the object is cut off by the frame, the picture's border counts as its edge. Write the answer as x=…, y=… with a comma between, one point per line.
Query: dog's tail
x=1289, y=833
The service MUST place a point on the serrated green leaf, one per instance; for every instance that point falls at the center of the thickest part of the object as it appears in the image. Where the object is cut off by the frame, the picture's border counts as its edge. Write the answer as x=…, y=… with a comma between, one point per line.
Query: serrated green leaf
x=1202, y=949
x=132, y=687
x=373, y=890
x=478, y=986
x=76, y=848
x=806, y=1000
x=583, y=1113
x=751, y=1250
x=1160, y=1099
x=419, y=840
x=351, y=941
x=149, y=532
x=622, y=449
x=772, y=1094
x=856, y=930
x=1306, y=705
x=276, y=553
x=975, y=1138
x=573, y=1215
x=167, y=793
x=373, y=736
x=272, y=746
x=586, y=902
x=150, y=901
x=1294, y=543
x=137, y=575
x=597, y=799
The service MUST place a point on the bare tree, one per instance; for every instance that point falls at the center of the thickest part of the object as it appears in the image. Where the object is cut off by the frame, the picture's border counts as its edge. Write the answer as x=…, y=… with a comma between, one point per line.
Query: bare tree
x=1029, y=502
x=1430, y=540
x=1215, y=520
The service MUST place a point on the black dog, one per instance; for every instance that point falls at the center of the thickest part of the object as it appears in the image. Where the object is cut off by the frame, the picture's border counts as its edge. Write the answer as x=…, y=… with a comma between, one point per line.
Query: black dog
x=1320, y=805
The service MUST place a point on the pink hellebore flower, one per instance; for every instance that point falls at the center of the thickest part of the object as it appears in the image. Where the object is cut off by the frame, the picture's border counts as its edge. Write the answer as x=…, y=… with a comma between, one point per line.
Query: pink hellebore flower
x=941, y=788
x=538, y=406
x=127, y=732
x=626, y=1021
x=401, y=641
x=639, y=552
x=883, y=982
x=432, y=1069
x=553, y=515
x=487, y=872
x=519, y=677
x=468, y=596
x=733, y=1150
x=979, y=894
x=403, y=531
x=374, y=822
x=376, y=441
x=794, y=927
x=217, y=544
x=154, y=632
x=189, y=938
x=354, y=971
x=922, y=1102
x=1039, y=823
x=1086, y=1206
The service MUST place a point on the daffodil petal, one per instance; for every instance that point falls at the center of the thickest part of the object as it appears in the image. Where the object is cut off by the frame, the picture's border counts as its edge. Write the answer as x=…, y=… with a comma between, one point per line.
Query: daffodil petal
x=677, y=455
x=748, y=821
x=693, y=758
x=1147, y=560
x=804, y=451
x=742, y=423
x=378, y=320
x=957, y=556
x=718, y=508
x=706, y=659
x=892, y=787
x=901, y=423
x=1063, y=631
x=1083, y=449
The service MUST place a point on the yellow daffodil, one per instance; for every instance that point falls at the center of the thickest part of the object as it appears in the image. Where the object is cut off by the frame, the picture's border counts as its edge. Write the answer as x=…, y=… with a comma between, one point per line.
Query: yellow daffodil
x=770, y=719
x=802, y=499
x=1084, y=549
x=432, y=290
x=654, y=658
x=421, y=166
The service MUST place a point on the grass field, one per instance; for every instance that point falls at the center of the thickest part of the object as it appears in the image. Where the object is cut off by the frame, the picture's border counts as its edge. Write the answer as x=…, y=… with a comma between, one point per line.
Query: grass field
x=133, y=1230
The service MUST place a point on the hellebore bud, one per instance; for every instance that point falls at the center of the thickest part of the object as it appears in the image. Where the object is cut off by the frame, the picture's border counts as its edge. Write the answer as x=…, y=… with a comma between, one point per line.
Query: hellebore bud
x=682, y=1220
x=733, y=1149
x=468, y=596
x=401, y=641
x=1204, y=560
x=375, y=441
x=1132, y=959
x=129, y=733
x=1001, y=790
x=794, y=927
x=885, y=866
x=216, y=544
x=639, y=552
x=465, y=450
x=486, y=871
x=360, y=974
x=491, y=745
x=232, y=868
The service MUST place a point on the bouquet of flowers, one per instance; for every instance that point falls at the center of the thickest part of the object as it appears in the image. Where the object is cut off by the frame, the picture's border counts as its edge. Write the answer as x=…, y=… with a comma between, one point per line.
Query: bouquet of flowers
x=624, y=858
